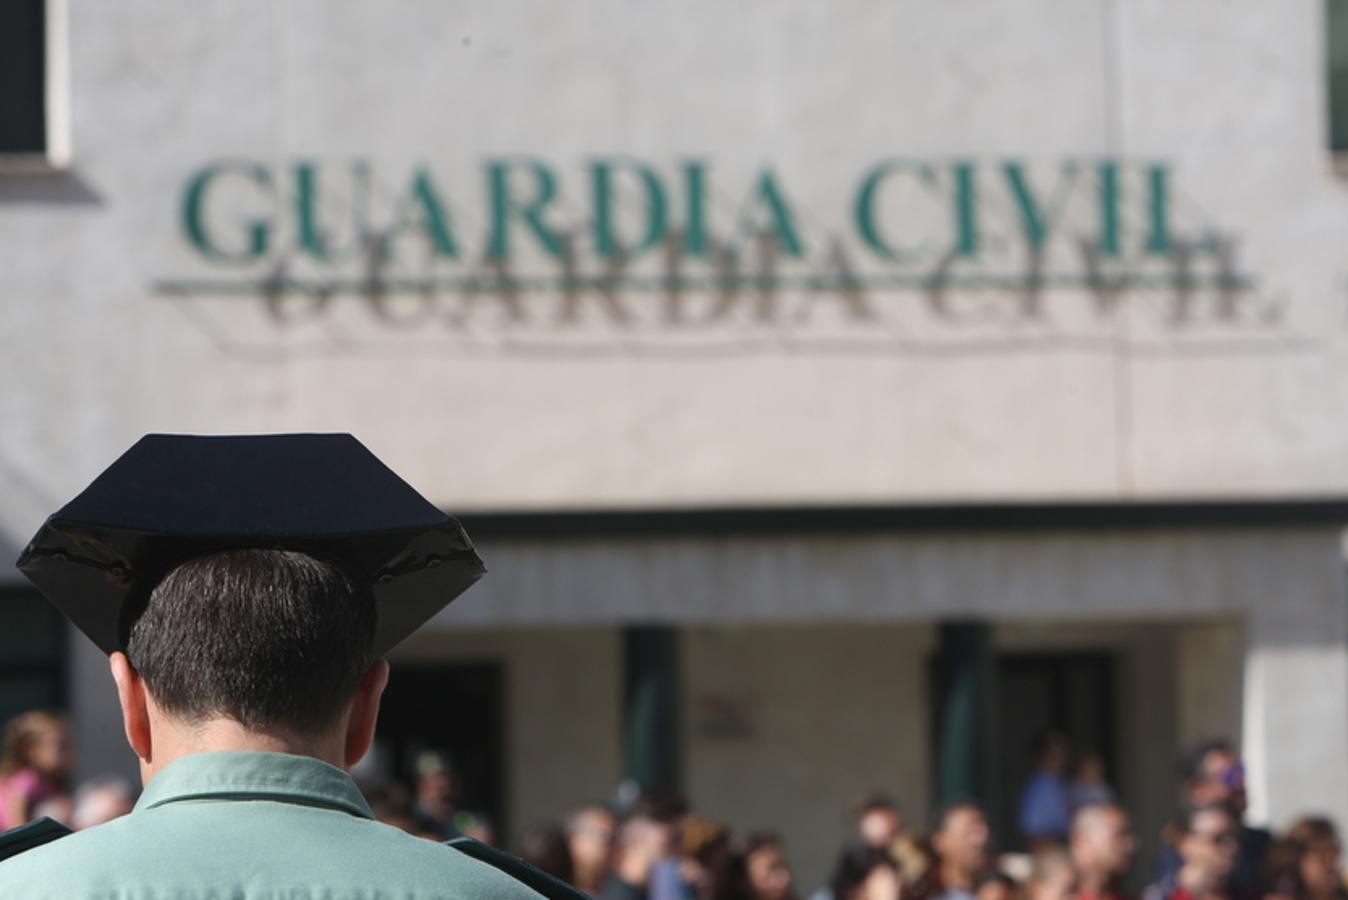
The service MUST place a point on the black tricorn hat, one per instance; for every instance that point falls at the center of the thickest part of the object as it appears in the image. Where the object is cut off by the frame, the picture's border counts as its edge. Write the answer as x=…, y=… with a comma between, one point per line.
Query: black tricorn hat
x=174, y=497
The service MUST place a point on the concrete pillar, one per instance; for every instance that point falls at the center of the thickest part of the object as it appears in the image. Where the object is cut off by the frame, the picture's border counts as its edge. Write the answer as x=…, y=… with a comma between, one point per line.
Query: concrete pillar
x=1147, y=746
x=1294, y=728
x=651, y=737
x=1295, y=736
x=965, y=730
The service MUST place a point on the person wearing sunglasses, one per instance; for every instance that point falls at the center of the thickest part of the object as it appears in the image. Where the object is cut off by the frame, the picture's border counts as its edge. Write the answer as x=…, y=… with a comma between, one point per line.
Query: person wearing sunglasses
x=1208, y=840
x=1212, y=774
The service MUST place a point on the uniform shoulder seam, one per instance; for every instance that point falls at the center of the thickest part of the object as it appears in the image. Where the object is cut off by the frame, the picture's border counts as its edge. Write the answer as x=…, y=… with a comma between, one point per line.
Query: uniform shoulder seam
x=531, y=877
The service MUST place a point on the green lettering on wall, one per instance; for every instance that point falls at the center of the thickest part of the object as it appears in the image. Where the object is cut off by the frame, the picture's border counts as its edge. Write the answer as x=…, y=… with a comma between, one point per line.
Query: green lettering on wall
x=864, y=209
x=421, y=209
x=966, y=204
x=258, y=230
x=1109, y=238
x=780, y=223
x=310, y=235
x=1158, y=209
x=606, y=241
x=504, y=208
x=695, y=239
x=1035, y=219
x=306, y=212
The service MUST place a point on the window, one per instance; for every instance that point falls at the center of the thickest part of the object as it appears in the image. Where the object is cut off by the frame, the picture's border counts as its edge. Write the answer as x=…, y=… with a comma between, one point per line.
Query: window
x=32, y=84
x=32, y=652
x=1336, y=56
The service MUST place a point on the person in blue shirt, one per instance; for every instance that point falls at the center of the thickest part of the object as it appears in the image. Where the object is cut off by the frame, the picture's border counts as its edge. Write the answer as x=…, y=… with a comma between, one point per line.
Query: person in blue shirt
x=1045, y=804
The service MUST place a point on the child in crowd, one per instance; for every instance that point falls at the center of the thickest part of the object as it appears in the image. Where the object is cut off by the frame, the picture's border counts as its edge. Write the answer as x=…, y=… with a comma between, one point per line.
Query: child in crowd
x=35, y=765
x=866, y=873
x=1089, y=787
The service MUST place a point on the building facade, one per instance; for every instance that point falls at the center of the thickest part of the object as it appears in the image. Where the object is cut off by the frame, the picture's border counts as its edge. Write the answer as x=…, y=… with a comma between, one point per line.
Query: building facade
x=838, y=393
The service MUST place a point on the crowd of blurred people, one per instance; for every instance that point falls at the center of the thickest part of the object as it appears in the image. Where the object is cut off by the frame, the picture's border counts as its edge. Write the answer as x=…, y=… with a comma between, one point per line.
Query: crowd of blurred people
x=1077, y=840
x=35, y=775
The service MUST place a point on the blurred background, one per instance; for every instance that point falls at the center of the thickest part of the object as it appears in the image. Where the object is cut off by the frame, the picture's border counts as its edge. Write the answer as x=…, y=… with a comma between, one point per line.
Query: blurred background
x=849, y=399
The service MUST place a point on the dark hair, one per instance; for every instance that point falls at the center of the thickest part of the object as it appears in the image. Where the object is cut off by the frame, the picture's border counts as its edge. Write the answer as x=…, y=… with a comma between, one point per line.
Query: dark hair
x=1046, y=739
x=663, y=807
x=21, y=732
x=266, y=637
x=945, y=812
x=1281, y=869
x=1282, y=861
x=759, y=840
x=544, y=847
x=854, y=866
x=874, y=802
x=738, y=869
x=1191, y=763
x=704, y=839
x=1310, y=829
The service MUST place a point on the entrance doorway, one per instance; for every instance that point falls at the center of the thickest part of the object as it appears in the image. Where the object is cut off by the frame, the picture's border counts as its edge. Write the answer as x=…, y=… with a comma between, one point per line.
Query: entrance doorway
x=456, y=708
x=1036, y=693
x=32, y=654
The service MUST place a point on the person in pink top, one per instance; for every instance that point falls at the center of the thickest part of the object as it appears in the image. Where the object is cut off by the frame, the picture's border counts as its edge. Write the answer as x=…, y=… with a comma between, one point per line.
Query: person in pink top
x=34, y=765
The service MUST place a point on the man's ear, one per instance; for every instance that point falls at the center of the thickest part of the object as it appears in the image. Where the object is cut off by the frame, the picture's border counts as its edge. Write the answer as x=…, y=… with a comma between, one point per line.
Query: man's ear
x=135, y=707
x=365, y=712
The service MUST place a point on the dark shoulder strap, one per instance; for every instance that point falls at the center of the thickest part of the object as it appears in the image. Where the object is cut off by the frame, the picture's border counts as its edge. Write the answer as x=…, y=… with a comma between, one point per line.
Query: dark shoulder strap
x=26, y=837
x=530, y=876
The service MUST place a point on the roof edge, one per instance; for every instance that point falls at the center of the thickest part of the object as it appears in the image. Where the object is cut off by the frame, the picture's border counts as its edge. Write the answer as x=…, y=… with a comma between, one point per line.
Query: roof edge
x=1008, y=517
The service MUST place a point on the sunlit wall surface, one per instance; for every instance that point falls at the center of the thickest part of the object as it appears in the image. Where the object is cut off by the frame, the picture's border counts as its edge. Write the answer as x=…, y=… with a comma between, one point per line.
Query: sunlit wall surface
x=758, y=256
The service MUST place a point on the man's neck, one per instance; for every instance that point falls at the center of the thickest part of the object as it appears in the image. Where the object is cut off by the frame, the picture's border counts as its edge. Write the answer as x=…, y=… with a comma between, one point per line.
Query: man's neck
x=590, y=879
x=174, y=739
x=1199, y=883
x=1093, y=884
x=957, y=877
x=634, y=870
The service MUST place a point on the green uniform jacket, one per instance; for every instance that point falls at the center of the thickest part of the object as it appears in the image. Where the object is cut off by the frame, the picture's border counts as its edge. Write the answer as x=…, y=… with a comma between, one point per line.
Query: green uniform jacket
x=250, y=826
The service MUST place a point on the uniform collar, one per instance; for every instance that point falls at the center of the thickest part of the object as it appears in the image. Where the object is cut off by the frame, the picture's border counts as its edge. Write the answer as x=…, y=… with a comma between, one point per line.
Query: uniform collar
x=254, y=775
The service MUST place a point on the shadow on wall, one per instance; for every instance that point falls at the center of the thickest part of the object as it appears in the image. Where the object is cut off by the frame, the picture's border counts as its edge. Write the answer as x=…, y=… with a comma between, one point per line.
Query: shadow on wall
x=64, y=188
